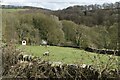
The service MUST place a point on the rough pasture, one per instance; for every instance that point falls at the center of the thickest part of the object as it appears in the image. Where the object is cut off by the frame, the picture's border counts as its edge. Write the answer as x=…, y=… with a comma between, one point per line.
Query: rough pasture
x=70, y=55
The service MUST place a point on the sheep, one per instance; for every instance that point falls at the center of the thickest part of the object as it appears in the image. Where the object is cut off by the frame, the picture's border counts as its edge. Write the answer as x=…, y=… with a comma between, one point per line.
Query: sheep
x=46, y=53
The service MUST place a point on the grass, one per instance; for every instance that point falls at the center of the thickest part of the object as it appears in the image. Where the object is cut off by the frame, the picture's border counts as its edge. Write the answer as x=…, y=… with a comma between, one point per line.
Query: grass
x=13, y=10
x=69, y=55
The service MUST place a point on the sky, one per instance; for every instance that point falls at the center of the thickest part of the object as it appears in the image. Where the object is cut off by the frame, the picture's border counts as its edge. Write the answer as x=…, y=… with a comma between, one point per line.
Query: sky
x=55, y=4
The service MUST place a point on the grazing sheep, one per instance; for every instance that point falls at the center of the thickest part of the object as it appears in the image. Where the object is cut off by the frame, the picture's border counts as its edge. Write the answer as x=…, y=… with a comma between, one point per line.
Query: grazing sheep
x=46, y=53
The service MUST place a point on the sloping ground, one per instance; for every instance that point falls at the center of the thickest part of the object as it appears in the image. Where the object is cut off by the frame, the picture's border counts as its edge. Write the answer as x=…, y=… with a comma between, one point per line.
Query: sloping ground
x=26, y=67
x=71, y=55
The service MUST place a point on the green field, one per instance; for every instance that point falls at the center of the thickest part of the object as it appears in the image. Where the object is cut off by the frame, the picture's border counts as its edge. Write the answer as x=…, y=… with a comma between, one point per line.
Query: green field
x=13, y=10
x=69, y=55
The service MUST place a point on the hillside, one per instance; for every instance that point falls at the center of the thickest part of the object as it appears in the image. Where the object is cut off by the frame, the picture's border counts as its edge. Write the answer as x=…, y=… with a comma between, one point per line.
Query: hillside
x=94, y=26
x=70, y=43
x=89, y=17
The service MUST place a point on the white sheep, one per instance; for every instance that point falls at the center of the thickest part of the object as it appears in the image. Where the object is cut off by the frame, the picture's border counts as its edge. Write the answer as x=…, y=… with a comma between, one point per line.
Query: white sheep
x=46, y=53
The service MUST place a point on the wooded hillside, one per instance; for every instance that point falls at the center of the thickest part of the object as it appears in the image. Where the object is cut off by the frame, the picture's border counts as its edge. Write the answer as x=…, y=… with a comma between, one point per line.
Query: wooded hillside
x=81, y=26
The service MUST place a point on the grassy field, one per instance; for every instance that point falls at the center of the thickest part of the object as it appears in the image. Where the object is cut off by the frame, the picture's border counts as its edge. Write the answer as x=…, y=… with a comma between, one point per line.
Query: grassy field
x=13, y=10
x=69, y=55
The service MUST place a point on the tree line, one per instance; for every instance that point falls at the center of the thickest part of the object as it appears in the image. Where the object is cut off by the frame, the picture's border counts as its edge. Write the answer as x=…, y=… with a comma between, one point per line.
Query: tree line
x=33, y=27
x=91, y=15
